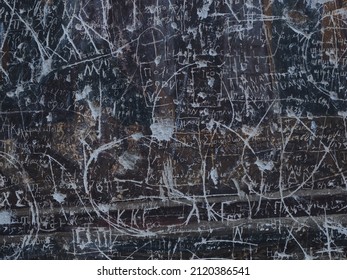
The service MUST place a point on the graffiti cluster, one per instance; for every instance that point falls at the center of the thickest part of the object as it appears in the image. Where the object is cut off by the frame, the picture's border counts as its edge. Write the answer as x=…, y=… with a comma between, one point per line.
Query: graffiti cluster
x=152, y=129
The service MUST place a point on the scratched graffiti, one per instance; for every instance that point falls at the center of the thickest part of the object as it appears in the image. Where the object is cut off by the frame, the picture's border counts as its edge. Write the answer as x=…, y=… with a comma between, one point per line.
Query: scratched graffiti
x=151, y=129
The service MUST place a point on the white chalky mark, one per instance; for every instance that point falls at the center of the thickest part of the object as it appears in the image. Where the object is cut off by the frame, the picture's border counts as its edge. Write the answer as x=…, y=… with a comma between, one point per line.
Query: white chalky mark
x=84, y=94
x=163, y=129
x=214, y=175
x=5, y=218
x=59, y=197
x=264, y=165
x=128, y=161
x=203, y=12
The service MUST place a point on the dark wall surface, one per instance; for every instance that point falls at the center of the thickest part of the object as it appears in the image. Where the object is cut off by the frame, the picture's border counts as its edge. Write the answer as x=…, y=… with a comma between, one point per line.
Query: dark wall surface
x=151, y=129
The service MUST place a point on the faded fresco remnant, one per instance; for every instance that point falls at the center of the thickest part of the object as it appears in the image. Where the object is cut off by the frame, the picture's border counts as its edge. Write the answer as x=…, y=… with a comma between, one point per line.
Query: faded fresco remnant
x=152, y=129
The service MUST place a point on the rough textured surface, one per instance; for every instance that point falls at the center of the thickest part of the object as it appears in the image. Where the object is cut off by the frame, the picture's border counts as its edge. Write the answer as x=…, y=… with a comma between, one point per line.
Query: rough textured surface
x=173, y=129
